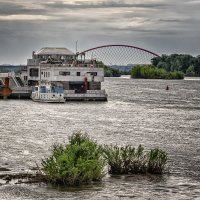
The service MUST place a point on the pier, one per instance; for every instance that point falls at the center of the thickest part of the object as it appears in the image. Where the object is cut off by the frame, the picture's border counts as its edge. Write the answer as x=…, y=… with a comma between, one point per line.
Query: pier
x=12, y=87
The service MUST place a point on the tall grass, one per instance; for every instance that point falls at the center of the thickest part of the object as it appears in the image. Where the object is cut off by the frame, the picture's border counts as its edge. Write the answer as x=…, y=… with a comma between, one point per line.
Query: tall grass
x=126, y=160
x=157, y=160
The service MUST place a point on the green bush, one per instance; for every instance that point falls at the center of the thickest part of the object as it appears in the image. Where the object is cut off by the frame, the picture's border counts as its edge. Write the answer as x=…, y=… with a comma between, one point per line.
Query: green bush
x=78, y=162
x=82, y=161
x=157, y=160
x=118, y=158
x=125, y=160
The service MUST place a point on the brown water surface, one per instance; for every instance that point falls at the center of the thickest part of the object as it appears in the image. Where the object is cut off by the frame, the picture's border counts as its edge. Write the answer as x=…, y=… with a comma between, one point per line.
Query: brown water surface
x=137, y=112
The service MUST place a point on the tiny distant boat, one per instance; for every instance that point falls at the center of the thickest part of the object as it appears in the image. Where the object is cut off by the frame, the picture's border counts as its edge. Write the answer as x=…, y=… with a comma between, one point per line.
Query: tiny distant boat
x=46, y=92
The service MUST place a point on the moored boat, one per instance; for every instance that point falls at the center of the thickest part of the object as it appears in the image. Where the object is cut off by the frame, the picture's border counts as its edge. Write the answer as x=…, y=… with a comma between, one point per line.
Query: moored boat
x=47, y=92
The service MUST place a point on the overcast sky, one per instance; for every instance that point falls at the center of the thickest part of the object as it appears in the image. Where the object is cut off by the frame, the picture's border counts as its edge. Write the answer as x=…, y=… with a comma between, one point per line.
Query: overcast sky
x=163, y=26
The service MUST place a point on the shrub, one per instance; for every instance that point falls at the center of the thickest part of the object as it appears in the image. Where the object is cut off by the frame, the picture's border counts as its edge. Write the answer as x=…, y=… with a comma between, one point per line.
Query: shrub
x=124, y=160
x=157, y=159
x=78, y=162
x=118, y=158
x=82, y=161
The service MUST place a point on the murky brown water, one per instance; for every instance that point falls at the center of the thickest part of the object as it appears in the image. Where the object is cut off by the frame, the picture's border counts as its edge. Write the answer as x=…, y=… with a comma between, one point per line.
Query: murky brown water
x=137, y=112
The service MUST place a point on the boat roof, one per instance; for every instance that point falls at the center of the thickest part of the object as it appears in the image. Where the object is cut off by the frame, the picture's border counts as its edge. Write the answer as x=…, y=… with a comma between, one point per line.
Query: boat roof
x=54, y=51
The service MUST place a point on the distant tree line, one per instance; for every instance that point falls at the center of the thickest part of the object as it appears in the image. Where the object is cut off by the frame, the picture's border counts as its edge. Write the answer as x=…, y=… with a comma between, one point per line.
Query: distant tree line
x=110, y=72
x=173, y=66
x=187, y=64
x=167, y=66
x=152, y=72
x=10, y=68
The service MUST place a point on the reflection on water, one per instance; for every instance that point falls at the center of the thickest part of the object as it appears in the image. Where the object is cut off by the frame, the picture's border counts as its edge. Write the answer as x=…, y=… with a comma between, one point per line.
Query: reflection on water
x=137, y=112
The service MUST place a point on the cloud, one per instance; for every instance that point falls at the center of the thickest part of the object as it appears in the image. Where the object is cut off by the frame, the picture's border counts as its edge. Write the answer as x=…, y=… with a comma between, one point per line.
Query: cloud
x=24, y=17
x=163, y=26
x=12, y=8
x=100, y=4
x=194, y=2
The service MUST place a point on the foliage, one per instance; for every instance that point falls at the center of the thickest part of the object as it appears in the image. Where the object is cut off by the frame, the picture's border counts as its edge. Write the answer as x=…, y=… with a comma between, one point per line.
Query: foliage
x=151, y=72
x=124, y=160
x=11, y=68
x=78, y=162
x=110, y=72
x=82, y=161
x=156, y=161
x=187, y=64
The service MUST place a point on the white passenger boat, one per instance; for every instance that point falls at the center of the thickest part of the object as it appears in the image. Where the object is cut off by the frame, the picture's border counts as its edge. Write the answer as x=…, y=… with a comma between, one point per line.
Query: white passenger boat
x=46, y=92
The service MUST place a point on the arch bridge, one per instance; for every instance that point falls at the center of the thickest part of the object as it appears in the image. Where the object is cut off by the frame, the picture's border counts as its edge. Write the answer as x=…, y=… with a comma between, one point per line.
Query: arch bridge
x=118, y=54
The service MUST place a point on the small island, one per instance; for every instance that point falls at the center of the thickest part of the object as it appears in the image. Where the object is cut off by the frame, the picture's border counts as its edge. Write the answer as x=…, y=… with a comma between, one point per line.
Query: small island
x=152, y=72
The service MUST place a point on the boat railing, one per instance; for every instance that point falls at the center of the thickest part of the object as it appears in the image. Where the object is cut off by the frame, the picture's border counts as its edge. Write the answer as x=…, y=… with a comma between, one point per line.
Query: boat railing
x=85, y=65
x=96, y=92
x=32, y=62
x=90, y=92
x=21, y=89
x=69, y=91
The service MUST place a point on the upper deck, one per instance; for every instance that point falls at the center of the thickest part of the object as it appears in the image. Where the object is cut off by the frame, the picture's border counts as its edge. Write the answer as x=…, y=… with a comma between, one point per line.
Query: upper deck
x=51, y=54
x=59, y=57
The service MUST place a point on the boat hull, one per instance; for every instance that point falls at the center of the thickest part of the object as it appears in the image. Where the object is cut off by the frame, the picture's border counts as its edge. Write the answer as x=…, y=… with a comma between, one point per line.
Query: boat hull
x=48, y=97
x=49, y=100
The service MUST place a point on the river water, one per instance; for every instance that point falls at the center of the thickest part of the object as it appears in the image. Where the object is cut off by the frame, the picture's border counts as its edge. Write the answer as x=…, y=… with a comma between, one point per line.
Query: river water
x=137, y=112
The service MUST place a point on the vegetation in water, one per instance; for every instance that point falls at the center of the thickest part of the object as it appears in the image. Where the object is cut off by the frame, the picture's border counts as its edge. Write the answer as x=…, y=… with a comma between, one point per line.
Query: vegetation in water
x=151, y=72
x=126, y=160
x=78, y=162
x=157, y=160
x=82, y=161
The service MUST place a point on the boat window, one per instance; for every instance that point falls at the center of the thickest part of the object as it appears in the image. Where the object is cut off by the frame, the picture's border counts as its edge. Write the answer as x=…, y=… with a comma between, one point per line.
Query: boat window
x=64, y=73
x=92, y=73
x=59, y=89
x=34, y=72
x=43, y=89
x=53, y=89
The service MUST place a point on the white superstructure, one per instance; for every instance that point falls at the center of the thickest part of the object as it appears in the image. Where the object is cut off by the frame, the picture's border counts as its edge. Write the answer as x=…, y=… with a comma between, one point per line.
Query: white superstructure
x=81, y=80
x=46, y=92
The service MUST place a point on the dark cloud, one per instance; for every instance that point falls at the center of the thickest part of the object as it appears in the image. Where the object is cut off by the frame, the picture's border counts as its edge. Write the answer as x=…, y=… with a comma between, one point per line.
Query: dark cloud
x=7, y=8
x=103, y=4
x=159, y=25
x=171, y=20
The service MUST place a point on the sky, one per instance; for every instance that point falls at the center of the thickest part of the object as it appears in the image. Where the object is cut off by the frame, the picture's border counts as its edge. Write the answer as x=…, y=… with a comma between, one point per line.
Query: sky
x=162, y=26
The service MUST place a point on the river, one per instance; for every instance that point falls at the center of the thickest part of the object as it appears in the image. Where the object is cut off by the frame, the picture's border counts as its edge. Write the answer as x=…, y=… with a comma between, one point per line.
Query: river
x=137, y=112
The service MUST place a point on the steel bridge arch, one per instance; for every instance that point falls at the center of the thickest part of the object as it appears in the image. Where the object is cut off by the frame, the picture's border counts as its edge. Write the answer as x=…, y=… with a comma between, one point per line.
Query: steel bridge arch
x=115, y=52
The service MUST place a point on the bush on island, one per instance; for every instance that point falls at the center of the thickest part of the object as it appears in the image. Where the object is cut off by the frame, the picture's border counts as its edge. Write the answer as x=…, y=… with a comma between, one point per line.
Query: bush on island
x=82, y=161
x=125, y=160
x=151, y=72
x=78, y=162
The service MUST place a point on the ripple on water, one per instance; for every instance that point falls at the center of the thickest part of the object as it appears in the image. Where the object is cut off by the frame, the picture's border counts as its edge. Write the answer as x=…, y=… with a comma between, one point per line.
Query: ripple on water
x=137, y=112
